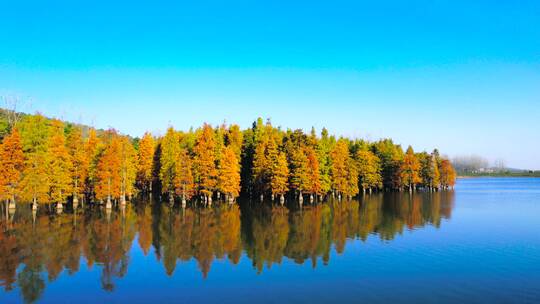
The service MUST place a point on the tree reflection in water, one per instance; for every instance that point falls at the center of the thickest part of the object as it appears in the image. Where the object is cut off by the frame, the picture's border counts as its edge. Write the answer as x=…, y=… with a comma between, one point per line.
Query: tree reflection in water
x=37, y=249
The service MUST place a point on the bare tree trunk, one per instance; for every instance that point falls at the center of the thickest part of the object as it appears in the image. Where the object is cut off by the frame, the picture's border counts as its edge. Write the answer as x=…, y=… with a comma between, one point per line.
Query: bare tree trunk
x=12, y=204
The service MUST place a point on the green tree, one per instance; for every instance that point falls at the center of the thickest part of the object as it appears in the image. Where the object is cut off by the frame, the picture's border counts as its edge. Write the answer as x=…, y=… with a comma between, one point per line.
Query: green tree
x=369, y=169
x=59, y=165
x=391, y=157
x=170, y=148
x=324, y=147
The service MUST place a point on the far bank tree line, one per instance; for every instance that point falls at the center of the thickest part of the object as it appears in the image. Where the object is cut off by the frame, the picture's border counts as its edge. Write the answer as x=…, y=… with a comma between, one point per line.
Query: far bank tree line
x=48, y=161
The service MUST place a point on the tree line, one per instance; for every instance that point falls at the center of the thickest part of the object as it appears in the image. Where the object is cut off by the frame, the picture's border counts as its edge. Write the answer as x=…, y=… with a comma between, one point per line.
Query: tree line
x=49, y=161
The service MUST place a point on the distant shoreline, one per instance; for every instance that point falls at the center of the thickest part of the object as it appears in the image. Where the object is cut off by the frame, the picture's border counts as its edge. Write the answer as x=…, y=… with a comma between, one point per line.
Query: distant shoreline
x=537, y=175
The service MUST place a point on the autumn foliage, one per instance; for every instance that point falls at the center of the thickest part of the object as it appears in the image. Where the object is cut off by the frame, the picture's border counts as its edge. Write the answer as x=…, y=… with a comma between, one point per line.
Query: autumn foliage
x=49, y=161
x=11, y=165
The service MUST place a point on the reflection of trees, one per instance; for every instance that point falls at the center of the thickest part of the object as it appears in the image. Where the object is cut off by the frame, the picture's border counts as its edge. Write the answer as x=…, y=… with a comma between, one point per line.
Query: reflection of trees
x=9, y=260
x=313, y=230
x=308, y=234
x=31, y=282
x=37, y=249
x=144, y=227
x=110, y=237
x=203, y=234
x=267, y=236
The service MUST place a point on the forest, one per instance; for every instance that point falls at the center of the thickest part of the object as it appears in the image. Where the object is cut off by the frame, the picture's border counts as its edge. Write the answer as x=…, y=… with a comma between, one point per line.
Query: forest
x=48, y=161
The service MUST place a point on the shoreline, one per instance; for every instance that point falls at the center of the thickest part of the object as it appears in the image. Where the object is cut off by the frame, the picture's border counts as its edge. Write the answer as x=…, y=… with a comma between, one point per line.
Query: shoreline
x=496, y=176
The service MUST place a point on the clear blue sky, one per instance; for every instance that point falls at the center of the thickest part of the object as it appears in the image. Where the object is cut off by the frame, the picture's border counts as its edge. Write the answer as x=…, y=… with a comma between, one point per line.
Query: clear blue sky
x=463, y=76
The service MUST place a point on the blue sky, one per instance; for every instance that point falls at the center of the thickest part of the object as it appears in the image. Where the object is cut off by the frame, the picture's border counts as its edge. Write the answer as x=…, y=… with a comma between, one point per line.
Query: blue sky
x=463, y=76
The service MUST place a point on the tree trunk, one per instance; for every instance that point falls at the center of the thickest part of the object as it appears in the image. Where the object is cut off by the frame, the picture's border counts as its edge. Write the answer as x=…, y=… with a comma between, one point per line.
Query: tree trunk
x=108, y=205
x=282, y=199
x=34, y=204
x=59, y=207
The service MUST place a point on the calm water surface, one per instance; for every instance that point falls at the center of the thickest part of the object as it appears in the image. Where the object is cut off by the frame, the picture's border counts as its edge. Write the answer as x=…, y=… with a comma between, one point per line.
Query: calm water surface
x=477, y=244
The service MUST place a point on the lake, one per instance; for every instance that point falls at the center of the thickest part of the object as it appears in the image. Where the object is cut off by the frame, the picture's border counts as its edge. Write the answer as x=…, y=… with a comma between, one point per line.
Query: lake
x=478, y=244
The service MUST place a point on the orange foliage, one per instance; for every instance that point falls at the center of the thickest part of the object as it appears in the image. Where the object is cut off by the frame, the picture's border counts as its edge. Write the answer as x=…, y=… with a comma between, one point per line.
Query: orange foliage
x=11, y=165
x=108, y=170
x=229, y=173
x=205, y=161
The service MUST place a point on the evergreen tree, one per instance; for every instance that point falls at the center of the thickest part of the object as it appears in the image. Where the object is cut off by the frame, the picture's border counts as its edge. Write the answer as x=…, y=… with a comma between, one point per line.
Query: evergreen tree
x=369, y=169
